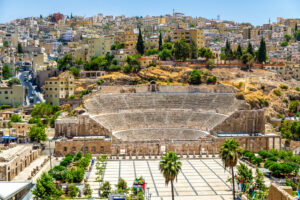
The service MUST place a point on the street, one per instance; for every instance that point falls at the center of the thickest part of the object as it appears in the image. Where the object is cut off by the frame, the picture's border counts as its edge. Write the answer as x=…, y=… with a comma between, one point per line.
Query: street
x=32, y=92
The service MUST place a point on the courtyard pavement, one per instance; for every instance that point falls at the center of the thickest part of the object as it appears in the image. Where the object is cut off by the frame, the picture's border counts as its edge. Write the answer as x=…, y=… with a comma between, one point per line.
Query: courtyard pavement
x=199, y=179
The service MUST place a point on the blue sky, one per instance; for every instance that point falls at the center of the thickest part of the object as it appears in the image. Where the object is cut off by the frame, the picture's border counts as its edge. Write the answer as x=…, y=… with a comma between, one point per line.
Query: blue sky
x=255, y=11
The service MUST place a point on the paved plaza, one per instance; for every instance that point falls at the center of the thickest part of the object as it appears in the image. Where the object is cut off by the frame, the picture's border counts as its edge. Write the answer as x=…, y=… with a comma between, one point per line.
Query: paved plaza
x=199, y=178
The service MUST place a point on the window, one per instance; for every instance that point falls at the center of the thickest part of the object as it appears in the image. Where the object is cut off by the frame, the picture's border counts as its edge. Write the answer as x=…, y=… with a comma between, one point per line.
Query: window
x=101, y=149
x=11, y=92
x=86, y=149
x=50, y=82
x=46, y=88
x=6, y=97
x=73, y=148
x=55, y=82
x=50, y=88
x=61, y=82
x=65, y=149
x=93, y=149
x=0, y=92
x=55, y=88
x=5, y=92
x=62, y=89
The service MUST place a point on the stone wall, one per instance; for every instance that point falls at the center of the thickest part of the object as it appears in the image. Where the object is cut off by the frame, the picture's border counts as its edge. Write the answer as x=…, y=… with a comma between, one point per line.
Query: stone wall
x=182, y=147
x=94, y=146
x=11, y=167
x=277, y=192
x=248, y=121
x=81, y=126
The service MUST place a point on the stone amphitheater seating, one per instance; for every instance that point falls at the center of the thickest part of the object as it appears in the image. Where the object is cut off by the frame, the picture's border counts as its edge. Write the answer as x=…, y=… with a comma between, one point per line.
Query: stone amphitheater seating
x=160, y=119
x=159, y=133
x=107, y=103
x=148, y=116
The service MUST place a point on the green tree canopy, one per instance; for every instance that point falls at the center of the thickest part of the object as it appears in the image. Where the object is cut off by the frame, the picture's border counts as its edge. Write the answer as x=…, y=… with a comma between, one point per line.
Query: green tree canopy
x=15, y=118
x=65, y=62
x=160, y=42
x=73, y=190
x=229, y=154
x=140, y=47
x=13, y=81
x=262, y=51
x=181, y=50
x=195, y=77
x=20, y=50
x=75, y=71
x=165, y=54
x=194, y=50
x=37, y=133
x=170, y=166
x=105, y=190
x=46, y=189
x=239, y=52
x=250, y=49
x=6, y=73
x=287, y=37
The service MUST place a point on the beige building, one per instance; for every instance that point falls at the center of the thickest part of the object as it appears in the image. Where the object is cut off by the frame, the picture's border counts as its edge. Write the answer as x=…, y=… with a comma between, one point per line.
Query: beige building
x=14, y=160
x=60, y=87
x=100, y=46
x=12, y=95
x=189, y=35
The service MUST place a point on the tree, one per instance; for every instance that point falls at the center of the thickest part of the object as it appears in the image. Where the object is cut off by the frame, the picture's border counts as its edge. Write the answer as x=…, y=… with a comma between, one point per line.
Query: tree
x=287, y=37
x=6, y=73
x=37, y=133
x=294, y=106
x=105, y=189
x=13, y=81
x=194, y=50
x=72, y=190
x=239, y=52
x=65, y=62
x=46, y=189
x=250, y=49
x=87, y=190
x=181, y=49
x=5, y=44
x=167, y=45
x=140, y=47
x=160, y=42
x=259, y=180
x=15, y=118
x=209, y=55
x=170, y=166
x=262, y=51
x=195, y=77
x=229, y=155
x=227, y=50
x=247, y=59
x=165, y=54
x=121, y=186
x=297, y=35
x=20, y=50
x=75, y=71
x=150, y=52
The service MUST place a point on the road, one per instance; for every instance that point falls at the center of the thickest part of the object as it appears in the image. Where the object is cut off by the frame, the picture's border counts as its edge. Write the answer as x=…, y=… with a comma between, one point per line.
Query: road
x=32, y=92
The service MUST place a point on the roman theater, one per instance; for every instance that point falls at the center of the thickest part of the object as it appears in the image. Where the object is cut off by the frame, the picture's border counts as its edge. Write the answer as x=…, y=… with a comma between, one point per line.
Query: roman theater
x=153, y=119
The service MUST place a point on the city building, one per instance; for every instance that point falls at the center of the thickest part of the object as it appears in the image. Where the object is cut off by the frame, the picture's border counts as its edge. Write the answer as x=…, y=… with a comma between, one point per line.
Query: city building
x=59, y=87
x=189, y=35
x=12, y=95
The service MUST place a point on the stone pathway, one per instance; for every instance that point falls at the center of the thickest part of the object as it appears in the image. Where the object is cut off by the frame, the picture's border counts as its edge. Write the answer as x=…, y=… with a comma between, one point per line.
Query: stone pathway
x=92, y=180
x=200, y=178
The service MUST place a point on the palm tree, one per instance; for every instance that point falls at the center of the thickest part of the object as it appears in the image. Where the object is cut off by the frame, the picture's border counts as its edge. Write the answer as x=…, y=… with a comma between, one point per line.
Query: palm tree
x=229, y=153
x=170, y=166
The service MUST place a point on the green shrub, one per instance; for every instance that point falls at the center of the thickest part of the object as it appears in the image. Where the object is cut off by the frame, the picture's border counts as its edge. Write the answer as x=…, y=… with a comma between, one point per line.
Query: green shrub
x=3, y=107
x=15, y=118
x=273, y=158
x=195, y=77
x=256, y=160
x=298, y=89
x=289, y=182
x=268, y=164
x=284, y=87
x=264, y=154
x=72, y=190
x=72, y=96
x=277, y=92
x=264, y=102
x=211, y=80
x=114, y=68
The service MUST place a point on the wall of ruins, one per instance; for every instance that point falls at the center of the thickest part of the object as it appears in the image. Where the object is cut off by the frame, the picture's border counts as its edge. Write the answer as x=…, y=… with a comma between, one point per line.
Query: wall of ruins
x=94, y=146
x=194, y=147
x=248, y=121
x=83, y=125
x=277, y=192
x=8, y=170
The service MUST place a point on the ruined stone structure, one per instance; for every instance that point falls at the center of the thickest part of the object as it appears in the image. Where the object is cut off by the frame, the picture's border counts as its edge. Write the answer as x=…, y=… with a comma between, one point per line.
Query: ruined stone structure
x=163, y=118
x=14, y=160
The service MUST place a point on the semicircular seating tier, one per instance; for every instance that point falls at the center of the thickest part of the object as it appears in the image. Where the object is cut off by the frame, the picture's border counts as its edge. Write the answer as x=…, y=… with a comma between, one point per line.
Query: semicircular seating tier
x=152, y=116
